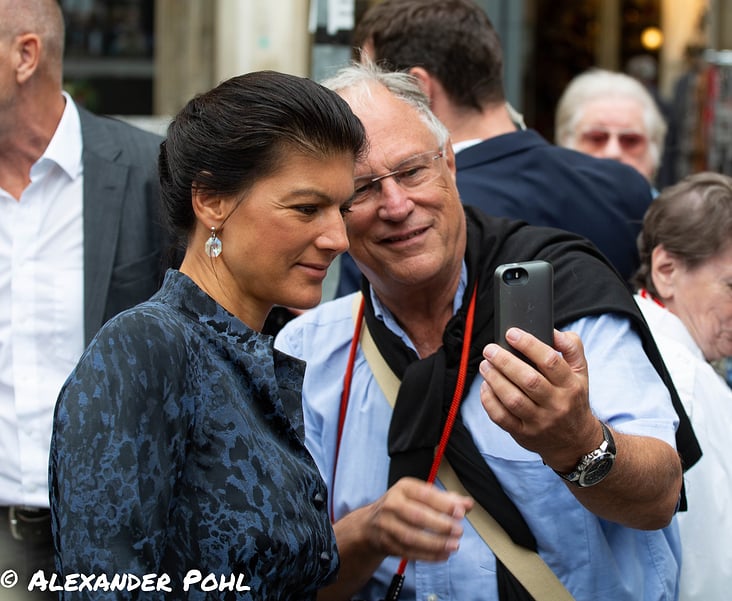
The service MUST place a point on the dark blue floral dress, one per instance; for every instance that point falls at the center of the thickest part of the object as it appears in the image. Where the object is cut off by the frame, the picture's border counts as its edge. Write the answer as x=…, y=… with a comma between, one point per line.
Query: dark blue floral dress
x=178, y=447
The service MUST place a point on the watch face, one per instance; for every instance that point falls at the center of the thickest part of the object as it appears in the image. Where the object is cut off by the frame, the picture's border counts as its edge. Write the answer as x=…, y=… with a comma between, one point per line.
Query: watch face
x=597, y=470
x=595, y=465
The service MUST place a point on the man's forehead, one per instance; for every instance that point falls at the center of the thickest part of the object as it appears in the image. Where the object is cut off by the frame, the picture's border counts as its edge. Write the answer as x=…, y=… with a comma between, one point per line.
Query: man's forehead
x=374, y=102
x=388, y=120
x=393, y=156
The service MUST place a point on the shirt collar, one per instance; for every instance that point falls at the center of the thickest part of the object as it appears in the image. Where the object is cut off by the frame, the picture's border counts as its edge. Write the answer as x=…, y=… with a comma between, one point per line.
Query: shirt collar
x=65, y=146
x=458, y=146
x=382, y=313
x=498, y=147
x=668, y=325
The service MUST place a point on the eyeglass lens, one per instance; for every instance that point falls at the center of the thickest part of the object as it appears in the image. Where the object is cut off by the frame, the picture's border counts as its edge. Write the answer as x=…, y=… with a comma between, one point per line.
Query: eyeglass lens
x=628, y=140
x=409, y=174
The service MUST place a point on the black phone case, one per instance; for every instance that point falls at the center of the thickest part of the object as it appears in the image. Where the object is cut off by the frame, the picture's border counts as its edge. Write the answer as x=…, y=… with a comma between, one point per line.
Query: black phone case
x=524, y=295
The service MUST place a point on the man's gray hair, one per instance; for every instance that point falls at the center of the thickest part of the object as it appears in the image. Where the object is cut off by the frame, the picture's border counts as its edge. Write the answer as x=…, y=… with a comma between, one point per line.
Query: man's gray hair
x=360, y=77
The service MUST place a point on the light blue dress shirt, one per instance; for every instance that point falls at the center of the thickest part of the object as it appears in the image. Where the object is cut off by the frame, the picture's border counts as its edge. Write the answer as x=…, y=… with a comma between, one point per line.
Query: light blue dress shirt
x=594, y=558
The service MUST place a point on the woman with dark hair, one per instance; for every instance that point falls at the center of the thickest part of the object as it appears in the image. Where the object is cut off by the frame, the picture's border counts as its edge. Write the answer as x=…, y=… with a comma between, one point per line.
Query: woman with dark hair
x=685, y=293
x=178, y=441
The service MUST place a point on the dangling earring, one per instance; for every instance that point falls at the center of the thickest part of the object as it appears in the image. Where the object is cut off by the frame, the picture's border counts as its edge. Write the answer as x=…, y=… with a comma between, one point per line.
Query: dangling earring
x=213, y=245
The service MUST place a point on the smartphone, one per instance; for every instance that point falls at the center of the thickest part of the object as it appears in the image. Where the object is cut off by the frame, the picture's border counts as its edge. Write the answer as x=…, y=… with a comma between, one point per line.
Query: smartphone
x=524, y=297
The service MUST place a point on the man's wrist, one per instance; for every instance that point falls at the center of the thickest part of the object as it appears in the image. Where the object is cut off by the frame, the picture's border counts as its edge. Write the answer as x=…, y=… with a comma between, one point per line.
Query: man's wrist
x=594, y=466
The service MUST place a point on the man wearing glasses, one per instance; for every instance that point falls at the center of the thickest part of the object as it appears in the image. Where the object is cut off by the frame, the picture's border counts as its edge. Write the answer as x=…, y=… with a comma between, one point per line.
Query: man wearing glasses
x=455, y=53
x=576, y=458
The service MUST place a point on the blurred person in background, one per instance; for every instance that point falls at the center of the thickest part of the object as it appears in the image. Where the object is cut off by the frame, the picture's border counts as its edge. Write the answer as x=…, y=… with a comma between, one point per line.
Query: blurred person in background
x=612, y=115
x=80, y=240
x=685, y=293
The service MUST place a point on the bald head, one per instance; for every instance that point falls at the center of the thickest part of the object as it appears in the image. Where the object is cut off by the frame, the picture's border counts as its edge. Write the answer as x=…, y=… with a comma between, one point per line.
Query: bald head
x=42, y=18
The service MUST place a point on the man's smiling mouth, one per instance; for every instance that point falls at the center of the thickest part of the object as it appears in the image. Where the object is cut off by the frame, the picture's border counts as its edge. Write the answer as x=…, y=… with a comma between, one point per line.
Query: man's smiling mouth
x=402, y=238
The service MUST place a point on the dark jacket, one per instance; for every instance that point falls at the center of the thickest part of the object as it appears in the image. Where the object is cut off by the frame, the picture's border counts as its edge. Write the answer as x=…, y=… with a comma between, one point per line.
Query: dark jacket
x=521, y=176
x=124, y=237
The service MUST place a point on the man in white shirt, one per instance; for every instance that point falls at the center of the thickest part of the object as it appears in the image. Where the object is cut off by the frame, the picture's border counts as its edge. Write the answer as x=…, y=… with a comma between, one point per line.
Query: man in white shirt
x=80, y=240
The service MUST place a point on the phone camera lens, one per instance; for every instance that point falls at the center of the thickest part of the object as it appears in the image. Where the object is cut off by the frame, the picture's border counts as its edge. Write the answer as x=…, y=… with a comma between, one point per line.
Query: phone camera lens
x=514, y=277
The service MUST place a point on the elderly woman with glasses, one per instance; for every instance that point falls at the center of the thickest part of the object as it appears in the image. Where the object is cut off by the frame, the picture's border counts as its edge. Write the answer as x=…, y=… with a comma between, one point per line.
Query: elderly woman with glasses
x=612, y=115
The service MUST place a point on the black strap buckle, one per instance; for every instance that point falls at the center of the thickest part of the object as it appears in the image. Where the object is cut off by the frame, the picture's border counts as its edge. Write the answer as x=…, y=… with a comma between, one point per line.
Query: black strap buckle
x=29, y=524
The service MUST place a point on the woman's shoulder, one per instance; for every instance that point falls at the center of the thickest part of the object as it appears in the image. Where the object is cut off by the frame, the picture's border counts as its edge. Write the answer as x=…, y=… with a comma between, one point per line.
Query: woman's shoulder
x=152, y=315
x=150, y=329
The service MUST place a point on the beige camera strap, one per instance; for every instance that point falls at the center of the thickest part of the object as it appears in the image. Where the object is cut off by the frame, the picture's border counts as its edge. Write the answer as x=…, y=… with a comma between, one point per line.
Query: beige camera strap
x=527, y=566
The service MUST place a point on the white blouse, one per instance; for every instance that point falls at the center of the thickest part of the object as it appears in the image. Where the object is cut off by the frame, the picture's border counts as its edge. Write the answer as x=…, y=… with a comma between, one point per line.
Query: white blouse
x=706, y=528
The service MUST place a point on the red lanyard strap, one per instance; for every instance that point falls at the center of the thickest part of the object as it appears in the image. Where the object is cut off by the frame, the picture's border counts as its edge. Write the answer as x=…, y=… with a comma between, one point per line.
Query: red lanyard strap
x=344, y=396
x=398, y=580
x=643, y=293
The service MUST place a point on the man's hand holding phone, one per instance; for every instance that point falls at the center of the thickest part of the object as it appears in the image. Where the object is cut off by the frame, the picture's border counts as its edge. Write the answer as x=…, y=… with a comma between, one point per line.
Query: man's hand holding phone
x=524, y=298
x=536, y=384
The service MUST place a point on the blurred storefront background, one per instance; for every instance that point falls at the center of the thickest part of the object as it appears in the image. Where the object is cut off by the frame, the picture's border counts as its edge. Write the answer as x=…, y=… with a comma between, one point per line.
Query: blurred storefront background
x=145, y=58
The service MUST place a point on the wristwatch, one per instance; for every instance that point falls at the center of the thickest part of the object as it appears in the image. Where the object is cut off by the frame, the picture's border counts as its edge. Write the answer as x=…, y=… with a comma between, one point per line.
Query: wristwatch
x=594, y=466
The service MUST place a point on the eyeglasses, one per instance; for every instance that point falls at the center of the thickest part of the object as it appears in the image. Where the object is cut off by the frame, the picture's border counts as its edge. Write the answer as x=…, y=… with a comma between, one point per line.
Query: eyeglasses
x=596, y=138
x=411, y=174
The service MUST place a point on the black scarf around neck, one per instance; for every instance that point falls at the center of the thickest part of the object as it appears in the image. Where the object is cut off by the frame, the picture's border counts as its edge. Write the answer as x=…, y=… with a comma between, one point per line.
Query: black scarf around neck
x=585, y=284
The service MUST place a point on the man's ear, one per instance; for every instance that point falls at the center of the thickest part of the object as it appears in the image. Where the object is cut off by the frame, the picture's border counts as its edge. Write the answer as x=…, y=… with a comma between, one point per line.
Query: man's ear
x=450, y=157
x=26, y=56
x=425, y=80
x=664, y=269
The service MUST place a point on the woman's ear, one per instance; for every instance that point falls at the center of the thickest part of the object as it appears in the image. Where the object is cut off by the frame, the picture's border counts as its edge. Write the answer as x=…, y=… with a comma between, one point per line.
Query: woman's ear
x=664, y=271
x=210, y=209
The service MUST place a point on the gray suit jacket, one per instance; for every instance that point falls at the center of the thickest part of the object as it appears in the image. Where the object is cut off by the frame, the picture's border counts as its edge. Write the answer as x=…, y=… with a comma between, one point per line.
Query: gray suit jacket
x=125, y=243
